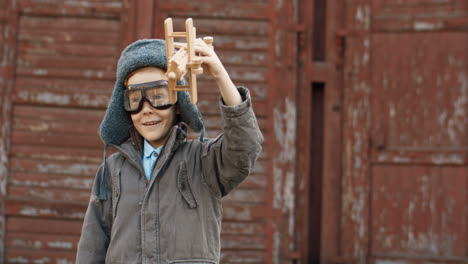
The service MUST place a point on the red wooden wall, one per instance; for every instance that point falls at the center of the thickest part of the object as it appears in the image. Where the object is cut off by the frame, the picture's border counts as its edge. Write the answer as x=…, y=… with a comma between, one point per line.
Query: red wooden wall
x=363, y=104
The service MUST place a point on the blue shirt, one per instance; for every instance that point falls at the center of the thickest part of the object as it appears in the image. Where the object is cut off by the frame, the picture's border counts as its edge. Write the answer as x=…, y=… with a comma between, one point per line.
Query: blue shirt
x=150, y=155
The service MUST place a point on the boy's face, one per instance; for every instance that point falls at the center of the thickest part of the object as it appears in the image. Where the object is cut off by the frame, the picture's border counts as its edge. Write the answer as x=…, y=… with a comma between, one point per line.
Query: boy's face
x=153, y=124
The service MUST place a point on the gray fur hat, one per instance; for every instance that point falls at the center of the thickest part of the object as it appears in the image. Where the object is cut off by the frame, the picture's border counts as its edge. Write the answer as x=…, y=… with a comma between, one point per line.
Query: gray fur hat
x=142, y=53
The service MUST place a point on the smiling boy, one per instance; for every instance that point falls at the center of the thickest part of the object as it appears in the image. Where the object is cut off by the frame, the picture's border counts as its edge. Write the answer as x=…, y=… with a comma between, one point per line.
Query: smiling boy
x=158, y=198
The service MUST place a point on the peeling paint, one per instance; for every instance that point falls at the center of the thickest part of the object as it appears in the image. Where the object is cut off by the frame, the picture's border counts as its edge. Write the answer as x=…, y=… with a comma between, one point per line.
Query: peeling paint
x=440, y=159
x=27, y=243
x=457, y=123
x=31, y=211
x=43, y=260
x=278, y=44
x=50, y=98
x=90, y=100
x=388, y=261
x=284, y=166
x=357, y=150
x=285, y=134
x=40, y=72
x=363, y=16
x=42, y=127
x=18, y=259
x=64, y=261
x=429, y=242
x=3, y=168
x=60, y=244
x=276, y=247
x=426, y=26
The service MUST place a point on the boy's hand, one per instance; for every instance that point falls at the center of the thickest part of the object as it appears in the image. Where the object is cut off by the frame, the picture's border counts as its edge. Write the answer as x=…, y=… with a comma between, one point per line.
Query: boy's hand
x=213, y=66
x=211, y=63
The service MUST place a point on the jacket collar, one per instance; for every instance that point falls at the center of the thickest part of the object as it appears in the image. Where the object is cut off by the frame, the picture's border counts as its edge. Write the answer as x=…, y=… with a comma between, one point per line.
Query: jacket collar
x=129, y=149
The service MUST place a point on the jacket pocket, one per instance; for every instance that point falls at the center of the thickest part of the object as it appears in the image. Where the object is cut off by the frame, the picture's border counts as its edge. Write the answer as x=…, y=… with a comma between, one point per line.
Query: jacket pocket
x=183, y=185
x=193, y=261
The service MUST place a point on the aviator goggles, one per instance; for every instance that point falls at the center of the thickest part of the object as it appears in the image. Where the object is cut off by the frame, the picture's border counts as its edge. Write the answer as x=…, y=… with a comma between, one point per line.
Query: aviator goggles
x=155, y=93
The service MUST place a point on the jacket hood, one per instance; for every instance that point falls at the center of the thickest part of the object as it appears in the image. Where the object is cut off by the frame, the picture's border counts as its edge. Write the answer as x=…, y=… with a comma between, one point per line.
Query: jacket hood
x=115, y=126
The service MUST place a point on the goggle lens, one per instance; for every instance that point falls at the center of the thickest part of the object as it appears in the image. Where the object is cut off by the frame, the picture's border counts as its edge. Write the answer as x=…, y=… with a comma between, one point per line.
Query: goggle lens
x=156, y=93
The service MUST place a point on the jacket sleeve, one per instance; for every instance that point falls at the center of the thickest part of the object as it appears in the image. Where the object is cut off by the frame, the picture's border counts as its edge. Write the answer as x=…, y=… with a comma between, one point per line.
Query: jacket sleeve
x=229, y=159
x=95, y=234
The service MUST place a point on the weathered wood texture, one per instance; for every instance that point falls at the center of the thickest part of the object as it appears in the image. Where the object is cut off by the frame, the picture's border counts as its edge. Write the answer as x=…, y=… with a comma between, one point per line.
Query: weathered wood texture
x=405, y=132
x=394, y=182
x=62, y=71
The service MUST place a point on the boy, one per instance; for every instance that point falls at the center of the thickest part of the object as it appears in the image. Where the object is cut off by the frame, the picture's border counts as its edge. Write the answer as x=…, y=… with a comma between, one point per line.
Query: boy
x=158, y=199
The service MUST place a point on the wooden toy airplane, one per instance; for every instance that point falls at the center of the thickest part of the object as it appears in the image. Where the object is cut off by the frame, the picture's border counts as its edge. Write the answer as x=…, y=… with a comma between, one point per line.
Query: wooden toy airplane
x=182, y=61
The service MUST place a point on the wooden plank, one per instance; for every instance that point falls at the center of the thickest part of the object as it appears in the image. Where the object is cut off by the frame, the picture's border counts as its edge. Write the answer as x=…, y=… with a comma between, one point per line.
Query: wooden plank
x=73, y=62
x=414, y=259
x=108, y=9
x=217, y=9
x=419, y=8
x=234, y=211
x=355, y=213
x=73, y=49
x=46, y=194
x=58, y=140
x=7, y=45
x=50, y=127
x=207, y=26
x=253, y=196
x=206, y=104
x=212, y=122
x=241, y=242
x=66, y=153
x=33, y=180
x=258, y=90
x=254, y=181
x=45, y=36
x=66, y=73
x=53, y=167
x=245, y=43
x=38, y=209
x=67, y=24
x=42, y=242
x=242, y=228
x=242, y=256
x=50, y=113
x=57, y=84
x=37, y=225
x=15, y=256
x=74, y=98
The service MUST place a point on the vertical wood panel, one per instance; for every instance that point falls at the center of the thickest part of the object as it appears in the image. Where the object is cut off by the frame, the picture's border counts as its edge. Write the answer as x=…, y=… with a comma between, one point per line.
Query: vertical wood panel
x=356, y=165
x=64, y=66
x=8, y=25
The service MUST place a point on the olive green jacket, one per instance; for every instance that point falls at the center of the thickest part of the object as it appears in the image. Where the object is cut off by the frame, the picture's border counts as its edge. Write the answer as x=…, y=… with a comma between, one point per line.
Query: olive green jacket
x=176, y=216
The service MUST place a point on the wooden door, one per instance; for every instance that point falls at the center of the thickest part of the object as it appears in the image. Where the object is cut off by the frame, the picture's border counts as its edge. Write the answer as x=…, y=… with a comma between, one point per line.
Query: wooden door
x=405, y=175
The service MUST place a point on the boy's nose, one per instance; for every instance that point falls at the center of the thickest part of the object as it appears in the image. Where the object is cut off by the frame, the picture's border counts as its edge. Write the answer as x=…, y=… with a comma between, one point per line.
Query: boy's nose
x=147, y=108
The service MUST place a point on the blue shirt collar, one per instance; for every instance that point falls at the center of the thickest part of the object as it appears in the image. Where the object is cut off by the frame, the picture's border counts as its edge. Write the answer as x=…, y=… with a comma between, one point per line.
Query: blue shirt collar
x=148, y=149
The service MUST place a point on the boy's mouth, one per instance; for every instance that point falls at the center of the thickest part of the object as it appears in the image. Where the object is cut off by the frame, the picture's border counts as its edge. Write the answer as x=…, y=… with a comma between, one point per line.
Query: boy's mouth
x=151, y=123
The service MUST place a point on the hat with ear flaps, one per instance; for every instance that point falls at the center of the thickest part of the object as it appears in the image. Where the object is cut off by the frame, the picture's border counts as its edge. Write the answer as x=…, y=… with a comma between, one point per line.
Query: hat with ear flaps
x=142, y=53
x=115, y=126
